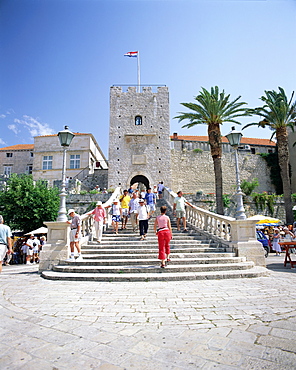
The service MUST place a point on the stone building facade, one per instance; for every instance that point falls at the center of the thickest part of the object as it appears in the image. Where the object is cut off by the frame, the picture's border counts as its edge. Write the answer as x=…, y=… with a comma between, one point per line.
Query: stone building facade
x=139, y=137
x=82, y=157
x=16, y=159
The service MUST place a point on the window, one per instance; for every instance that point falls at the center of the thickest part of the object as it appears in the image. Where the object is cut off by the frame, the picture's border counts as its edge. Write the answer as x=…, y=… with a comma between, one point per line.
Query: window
x=47, y=162
x=75, y=161
x=29, y=169
x=31, y=154
x=8, y=155
x=138, y=120
x=7, y=171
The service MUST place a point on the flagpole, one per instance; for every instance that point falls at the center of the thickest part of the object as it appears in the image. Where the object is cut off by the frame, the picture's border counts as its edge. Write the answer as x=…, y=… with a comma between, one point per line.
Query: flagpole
x=138, y=63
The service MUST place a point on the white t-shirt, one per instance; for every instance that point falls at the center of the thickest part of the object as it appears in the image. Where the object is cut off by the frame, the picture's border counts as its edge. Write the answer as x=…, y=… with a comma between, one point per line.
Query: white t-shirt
x=115, y=210
x=142, y=212
x=180, y=204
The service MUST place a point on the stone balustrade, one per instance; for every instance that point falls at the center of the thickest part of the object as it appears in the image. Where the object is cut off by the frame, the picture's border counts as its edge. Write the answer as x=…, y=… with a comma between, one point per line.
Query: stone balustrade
x=57, y=246
x=238, y=236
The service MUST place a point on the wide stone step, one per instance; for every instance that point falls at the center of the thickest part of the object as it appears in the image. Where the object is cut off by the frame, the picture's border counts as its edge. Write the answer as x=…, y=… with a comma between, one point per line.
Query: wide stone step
x=79, y=267
x=150, y=249
x=151, y=261
x=127, y=237
x=160, y=275
x=146, y=243
x=153, y=254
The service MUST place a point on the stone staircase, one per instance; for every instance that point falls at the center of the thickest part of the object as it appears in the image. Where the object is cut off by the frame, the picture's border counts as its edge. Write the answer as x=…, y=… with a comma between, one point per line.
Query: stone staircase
x=124, y=257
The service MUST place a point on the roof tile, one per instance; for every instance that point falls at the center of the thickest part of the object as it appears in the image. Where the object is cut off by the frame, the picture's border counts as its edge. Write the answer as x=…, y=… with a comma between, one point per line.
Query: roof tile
x=244, y=140
x=18, y=147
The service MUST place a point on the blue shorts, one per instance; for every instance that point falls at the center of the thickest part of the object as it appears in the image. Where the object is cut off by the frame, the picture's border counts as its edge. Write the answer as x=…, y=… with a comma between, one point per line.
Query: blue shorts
x=151, y=207
x=116, y=218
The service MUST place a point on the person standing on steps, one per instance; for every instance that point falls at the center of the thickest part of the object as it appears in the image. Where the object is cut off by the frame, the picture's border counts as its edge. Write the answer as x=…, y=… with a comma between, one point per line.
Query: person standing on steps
x=133, y=206
x=150, y=201
x=100, y=219
x=163, y=230
x=179, y=210
x=116, y=215
x=124, y=202
x=160, y=188
x=144, y=215
x=75, y=235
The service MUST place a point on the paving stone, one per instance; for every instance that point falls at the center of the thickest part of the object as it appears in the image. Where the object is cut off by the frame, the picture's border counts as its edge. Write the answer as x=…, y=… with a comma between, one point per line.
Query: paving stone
x=251, y=363
x=275, y=342
x=219, y=356
x=153, y=336
x=242, y=336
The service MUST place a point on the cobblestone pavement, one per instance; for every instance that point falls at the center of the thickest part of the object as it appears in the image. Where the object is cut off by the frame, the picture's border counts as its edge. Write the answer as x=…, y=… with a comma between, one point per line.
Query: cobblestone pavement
x=212, y=324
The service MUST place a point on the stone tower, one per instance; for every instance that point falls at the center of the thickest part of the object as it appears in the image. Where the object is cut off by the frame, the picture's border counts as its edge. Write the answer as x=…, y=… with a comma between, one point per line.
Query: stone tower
x=139, y=137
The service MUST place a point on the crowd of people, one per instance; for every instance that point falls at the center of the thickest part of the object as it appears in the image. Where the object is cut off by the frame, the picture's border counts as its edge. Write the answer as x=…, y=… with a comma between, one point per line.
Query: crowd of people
x=138, y=206
x=19, y=250
x=278, y=234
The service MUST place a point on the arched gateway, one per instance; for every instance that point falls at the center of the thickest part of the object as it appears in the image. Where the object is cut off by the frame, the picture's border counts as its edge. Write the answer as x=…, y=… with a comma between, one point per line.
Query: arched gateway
x=139, y=137
x=140, y=179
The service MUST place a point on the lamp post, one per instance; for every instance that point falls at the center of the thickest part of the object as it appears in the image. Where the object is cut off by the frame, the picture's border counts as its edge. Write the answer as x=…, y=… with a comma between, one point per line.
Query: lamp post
x=65, y=138
x=234, y=138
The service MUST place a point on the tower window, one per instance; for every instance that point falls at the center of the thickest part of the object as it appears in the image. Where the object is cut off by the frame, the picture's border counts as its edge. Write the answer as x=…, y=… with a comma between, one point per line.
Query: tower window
x=138, y=120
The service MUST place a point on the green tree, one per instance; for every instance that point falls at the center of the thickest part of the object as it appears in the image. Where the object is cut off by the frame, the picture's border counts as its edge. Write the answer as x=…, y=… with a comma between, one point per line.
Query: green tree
x=212, y=109
x=278, y=114
x=25, y=205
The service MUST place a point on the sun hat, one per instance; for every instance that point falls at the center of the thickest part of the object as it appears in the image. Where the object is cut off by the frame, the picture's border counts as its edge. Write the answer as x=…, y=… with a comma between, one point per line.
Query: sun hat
x=115, y=201
x=99, y=203
x=141, y=200
x=70, y=211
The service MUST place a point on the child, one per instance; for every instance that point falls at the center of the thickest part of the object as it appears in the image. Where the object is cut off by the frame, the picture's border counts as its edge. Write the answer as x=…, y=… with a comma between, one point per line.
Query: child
x=116, y=215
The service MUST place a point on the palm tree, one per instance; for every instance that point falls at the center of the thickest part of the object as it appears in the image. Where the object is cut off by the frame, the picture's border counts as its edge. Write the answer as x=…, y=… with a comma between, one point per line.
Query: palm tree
x=212, y=109
x=278, y=113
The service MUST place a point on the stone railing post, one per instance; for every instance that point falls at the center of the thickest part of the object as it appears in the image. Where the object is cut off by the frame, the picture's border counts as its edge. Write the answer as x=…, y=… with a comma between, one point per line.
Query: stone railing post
x=244, y=241
x=237, y=235
x=57, y=245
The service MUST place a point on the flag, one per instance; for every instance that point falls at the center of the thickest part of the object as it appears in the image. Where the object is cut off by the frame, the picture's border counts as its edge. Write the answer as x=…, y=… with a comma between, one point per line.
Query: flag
x=133, y=54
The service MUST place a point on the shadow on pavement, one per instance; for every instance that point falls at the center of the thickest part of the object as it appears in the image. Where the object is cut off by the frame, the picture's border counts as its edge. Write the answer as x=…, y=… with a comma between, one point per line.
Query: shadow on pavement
x=276, y=263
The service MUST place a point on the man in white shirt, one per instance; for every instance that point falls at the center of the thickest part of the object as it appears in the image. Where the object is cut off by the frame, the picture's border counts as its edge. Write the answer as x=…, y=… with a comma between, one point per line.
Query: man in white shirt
x=133, y=206
x=143, y=215
x=179, y=210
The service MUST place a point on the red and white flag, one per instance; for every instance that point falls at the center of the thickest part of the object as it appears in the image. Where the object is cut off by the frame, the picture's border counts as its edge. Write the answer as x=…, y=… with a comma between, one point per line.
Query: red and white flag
x=131, y=54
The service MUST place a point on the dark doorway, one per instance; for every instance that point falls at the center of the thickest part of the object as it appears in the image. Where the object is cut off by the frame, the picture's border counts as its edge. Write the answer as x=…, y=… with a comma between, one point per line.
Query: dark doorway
x=141, y=180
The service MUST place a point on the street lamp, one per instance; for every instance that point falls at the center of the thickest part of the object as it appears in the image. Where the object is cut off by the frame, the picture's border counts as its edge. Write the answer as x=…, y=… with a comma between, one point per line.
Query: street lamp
x=234, y=138
x=65, y=138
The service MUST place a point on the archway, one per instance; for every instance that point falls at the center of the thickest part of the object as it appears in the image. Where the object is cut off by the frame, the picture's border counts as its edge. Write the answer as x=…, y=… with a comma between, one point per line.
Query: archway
x=140, y=179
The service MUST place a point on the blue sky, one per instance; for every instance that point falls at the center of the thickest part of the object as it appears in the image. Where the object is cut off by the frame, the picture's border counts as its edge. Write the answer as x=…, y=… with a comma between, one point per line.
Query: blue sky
x=60, y=57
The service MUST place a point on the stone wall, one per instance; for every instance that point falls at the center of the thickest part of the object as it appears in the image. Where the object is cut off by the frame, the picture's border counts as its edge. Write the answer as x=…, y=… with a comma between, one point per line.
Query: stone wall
x=192, y=172
x=81, y=203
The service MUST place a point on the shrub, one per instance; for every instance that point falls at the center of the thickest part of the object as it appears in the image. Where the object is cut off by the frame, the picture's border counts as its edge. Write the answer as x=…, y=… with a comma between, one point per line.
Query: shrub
x=226, y=200
x=197, y=150
x=94, y=191
x=248, y=187
x=264, y=200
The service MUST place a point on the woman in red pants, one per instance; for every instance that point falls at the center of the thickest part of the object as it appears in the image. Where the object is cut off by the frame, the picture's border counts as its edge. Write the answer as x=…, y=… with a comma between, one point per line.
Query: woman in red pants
x=163, y=230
